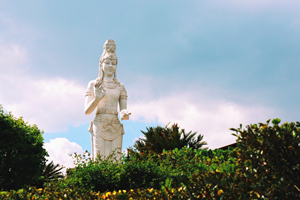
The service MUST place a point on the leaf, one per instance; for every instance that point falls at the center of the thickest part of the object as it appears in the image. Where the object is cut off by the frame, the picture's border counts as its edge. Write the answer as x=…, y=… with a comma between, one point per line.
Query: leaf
x=276, y=121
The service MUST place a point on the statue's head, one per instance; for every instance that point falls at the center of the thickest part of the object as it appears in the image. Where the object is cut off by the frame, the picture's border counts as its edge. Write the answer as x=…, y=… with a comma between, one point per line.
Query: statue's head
x=109, y=52
x=107, y=58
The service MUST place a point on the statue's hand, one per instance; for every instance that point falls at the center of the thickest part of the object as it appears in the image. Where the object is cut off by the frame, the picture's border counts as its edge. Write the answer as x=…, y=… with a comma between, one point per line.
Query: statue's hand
x=99, y=92
x=125, y=114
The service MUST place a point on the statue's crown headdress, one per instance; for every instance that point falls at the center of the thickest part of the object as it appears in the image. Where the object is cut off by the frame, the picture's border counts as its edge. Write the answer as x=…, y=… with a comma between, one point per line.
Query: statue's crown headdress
x=109, y=46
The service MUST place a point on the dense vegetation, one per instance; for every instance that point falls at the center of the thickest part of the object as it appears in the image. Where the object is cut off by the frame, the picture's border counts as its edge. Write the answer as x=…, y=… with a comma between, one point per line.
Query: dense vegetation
x=269, y=159
x=22, y=156
x=157, y=139
x=265, y=165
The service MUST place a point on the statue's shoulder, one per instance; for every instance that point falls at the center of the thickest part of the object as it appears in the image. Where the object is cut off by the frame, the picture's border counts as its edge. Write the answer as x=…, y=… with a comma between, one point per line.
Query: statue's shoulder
x=91, y=85
x=119, y=84
x=122, y=87
x=92, y=82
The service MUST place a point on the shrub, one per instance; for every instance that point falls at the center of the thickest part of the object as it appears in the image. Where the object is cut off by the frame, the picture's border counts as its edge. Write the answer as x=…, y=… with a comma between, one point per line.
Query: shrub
x=269, y=160
x=264, y=165
x=101, y=174
x=143, y=172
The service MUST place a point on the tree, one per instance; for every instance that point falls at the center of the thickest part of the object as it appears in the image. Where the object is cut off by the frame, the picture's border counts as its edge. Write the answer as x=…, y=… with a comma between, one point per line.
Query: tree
x=159, y=138
x=52, y=171
x=22, y=156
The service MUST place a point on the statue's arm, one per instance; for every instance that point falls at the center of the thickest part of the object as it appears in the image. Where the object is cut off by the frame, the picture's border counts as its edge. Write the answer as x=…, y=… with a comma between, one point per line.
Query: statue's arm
x=91, y=99
x=124, y=113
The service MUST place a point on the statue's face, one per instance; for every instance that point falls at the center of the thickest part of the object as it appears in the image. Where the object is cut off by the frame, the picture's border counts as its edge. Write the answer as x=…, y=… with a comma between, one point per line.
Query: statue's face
x=109, y=66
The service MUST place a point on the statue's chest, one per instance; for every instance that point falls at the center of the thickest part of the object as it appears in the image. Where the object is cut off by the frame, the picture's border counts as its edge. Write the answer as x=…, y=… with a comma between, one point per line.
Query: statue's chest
x=112, y=93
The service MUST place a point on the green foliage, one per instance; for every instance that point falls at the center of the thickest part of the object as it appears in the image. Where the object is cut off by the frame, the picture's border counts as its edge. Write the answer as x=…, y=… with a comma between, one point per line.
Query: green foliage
x=22, y=156
x=265, y=165
x=51, y=172
x=100, y=174
x=108, y=174
x=269, y=160
x=172, y=174
x=200, y=173
x=160, y=138
x=162, y=172
x=55, y=191
x=142, y=173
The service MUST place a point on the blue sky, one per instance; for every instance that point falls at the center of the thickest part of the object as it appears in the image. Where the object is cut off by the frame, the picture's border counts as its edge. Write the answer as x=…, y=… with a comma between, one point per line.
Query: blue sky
x=206, y=65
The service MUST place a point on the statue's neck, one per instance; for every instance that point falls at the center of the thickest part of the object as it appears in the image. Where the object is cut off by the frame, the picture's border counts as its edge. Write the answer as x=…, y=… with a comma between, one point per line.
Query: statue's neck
x=108, y=78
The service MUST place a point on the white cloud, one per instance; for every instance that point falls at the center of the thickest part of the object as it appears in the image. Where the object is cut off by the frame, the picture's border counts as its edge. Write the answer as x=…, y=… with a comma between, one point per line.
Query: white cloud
x=59, y=150
x=51, y=103
x=11, y=56
x=210, y=117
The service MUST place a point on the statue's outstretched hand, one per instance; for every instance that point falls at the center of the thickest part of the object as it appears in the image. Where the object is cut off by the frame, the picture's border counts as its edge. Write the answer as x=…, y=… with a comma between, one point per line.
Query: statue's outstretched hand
x=125, y=114
x=99, y=92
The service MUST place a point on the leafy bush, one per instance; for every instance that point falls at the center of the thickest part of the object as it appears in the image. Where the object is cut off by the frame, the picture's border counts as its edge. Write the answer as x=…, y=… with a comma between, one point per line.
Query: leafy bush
x=57, y=192
x=97, y=175
x=200, y=173
x=269, y=160
x=162, y=176
x=145, y=173
x=22, y=156
x=170, y=169
x=265, y=165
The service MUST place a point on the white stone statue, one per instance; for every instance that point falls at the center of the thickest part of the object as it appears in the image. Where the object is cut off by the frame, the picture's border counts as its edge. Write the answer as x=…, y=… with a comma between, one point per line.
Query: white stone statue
x=104, y=95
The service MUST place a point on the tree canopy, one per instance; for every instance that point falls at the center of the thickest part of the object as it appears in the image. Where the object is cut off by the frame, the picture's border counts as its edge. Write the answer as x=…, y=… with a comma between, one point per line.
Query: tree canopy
x=160, y=138
x=22, y=156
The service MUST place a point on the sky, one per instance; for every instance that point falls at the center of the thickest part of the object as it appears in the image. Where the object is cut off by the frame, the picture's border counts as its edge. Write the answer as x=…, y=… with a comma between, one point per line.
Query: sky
x=207, y=65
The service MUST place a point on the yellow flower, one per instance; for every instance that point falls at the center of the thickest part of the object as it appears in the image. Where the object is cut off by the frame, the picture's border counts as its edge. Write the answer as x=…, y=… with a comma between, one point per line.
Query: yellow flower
x=220, y=192
x=114, y=192
x=258, y=196
x=150, y=190
x=124, y=191
x=131, y=190
x=108, y=194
